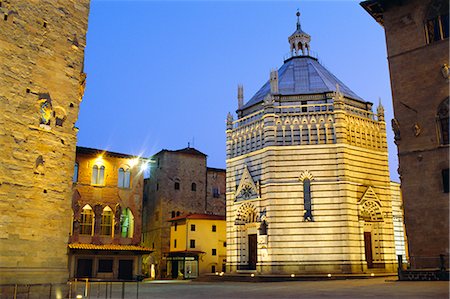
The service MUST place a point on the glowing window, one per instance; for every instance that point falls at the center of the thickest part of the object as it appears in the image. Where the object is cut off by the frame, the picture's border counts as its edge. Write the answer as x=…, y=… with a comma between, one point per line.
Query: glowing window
x=127, y=223
x=87, y=221
x=106, y=222
x=98, y=175
x=124, y=178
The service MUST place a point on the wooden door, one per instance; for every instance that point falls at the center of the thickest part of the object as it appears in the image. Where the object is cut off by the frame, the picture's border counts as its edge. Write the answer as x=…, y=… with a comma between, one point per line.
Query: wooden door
x=125, y=269
x=252, y=252
x=368, y=249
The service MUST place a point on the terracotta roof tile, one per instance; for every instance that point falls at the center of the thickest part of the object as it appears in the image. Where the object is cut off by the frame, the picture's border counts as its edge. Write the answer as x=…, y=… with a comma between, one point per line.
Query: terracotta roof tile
x=198, y=216
x=108, y=247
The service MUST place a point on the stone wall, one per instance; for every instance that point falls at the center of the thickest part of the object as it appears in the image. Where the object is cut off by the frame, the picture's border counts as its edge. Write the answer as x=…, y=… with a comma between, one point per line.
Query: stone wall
x=41, y=86
x=417, y=93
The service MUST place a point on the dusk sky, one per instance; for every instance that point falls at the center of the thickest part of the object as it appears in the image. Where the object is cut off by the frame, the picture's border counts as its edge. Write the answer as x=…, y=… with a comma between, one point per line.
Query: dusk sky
x=165, y=73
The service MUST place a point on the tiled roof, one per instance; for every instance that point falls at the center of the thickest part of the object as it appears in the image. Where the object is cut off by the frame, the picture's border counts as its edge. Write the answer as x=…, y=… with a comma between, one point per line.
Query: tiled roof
x=94, y=151
x=186, y=150
x=303, y=75
x=108, y=247
x=199, y=216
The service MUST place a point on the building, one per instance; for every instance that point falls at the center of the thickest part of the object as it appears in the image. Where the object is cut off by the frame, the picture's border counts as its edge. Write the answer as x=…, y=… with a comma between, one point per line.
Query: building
x=197, y=245
x=42, y=84
x=308, y=188
x=180, y=183
x=417, y=35
x=107, y=211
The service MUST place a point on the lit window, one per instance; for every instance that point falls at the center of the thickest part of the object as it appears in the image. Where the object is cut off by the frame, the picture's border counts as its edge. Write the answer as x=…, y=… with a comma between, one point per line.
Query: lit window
x=127, y=223
x=124, y=178
x=98, y=175
x=87, y=221
x=442, y=120
x=75, y=173
x=106, y=222
x=436, y=23
x=193, y=187
x=192, y=243
x=307, y=200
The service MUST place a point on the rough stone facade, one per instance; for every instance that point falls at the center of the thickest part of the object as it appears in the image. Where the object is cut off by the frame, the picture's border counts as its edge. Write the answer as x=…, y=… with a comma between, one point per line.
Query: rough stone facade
x=170, y=192
x=115, y=222
x=418, y=56
x=41, y=86
x=308, y=188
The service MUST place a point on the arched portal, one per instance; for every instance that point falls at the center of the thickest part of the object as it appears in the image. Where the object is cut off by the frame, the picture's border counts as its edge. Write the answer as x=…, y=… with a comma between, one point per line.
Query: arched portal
x=247, y=225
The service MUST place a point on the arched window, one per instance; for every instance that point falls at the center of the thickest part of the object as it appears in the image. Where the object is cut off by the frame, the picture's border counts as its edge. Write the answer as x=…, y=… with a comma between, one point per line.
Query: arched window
x=193, y=187
x=75, y=173
x=127, y=223
x=307, y=200
x=98, y=175
x=436, y=22
x=106, y=223
x=87, y=221
x=442, y=122
x=124, y=178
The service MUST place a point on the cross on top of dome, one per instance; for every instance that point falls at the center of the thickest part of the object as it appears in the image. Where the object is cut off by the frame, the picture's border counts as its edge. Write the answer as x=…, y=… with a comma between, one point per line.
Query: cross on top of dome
x=299, y=40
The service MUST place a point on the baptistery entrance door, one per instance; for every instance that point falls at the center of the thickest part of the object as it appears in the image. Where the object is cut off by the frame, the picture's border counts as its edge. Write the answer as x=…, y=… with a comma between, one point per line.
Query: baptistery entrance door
x=368, y=249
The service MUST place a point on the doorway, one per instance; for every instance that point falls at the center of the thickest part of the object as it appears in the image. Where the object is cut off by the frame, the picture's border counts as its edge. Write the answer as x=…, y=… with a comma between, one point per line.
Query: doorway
x=252, y=252
x=84, y=268
x=126, y=269
x=368, y=249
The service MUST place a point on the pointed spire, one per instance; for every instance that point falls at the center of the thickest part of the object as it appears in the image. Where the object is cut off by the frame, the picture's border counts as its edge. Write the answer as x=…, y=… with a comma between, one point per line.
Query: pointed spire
x=240, y=96
x=299, y=27
x=299, y=40
x=380, y=111
x=274, y=82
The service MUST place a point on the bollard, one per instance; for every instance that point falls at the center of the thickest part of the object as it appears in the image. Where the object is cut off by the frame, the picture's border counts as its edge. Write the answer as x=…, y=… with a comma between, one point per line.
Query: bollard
x=399, y=266
x=123, y=290
x=137, y=289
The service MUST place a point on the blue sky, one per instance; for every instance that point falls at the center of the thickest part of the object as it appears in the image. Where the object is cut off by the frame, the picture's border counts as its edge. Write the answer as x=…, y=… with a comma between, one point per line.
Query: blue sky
x=165, y=73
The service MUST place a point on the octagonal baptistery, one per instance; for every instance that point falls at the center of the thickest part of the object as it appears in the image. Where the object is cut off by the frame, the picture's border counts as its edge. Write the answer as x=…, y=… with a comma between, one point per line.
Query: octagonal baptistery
x=308, y=188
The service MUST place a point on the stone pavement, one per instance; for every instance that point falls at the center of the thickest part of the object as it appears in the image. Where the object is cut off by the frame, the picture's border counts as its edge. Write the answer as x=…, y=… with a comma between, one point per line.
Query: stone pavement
x=351, y=288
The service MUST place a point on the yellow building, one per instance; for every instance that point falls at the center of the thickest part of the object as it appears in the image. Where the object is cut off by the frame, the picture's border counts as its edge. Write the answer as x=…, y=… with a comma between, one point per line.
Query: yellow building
x=197, y=245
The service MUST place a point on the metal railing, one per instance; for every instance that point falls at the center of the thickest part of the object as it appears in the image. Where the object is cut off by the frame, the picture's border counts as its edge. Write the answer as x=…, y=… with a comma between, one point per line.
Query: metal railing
x=75, y=289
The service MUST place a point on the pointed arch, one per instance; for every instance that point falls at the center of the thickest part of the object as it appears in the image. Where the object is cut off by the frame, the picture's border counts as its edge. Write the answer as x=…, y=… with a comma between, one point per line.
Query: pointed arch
x=246, y=213
x=127, y=223
x=87, y=220
x=106, y=222
x=370, y=207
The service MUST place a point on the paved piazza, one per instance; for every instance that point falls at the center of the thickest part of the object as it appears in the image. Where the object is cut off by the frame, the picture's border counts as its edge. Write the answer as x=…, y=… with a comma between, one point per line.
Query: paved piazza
x=354, y=288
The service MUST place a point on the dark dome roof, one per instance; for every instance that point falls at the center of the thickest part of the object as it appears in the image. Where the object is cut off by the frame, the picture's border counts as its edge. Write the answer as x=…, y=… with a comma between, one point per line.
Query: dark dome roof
x=303, y=75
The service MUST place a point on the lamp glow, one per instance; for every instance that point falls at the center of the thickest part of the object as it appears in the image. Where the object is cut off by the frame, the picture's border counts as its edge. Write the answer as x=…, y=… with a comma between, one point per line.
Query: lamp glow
x=329, y=275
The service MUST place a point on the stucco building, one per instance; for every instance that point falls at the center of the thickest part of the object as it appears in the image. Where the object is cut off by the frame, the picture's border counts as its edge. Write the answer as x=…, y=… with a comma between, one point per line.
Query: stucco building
x=180, y=183
x=41, y=86
x=308, y=186
x=417, y=42
x=197, y=245
x=107, y=215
